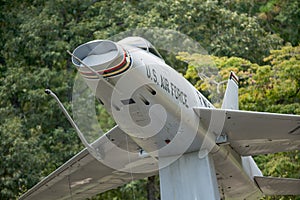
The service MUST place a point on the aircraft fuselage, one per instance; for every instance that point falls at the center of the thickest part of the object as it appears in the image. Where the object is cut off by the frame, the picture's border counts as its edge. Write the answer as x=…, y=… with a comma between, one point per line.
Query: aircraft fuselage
x=153, y=104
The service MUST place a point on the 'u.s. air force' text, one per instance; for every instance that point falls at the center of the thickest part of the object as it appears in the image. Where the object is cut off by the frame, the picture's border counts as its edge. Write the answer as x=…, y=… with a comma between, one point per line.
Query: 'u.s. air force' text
x=168, y=86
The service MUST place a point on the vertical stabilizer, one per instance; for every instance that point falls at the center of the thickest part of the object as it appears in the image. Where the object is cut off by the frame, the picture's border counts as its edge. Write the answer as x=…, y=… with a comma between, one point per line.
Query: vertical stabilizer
x=230, y=100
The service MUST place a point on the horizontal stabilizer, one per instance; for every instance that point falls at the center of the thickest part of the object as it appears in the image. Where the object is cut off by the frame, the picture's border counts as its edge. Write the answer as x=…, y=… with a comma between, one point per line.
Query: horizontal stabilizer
x=254, y=133
x=278, y=186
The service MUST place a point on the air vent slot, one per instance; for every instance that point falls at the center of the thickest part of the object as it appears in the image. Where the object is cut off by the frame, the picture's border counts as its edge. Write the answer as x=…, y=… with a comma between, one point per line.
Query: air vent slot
x=146, y=102
x=100, y=101
x=127, y=101
x=151, y=90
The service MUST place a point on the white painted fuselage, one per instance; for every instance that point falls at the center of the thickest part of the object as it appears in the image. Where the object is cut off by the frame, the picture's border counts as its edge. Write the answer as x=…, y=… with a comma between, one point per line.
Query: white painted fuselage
x=153, y=104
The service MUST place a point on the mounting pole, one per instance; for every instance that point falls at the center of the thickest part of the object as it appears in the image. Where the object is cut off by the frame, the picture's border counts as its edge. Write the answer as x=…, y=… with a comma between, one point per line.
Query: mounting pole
x=189, y=177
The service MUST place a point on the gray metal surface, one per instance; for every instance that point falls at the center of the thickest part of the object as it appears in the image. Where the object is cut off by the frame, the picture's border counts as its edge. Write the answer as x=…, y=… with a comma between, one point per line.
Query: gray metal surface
x=234, y=182
x=83, y=176
x=231, y=99
x=189, y=177
x=278, y=186
x=253, y=133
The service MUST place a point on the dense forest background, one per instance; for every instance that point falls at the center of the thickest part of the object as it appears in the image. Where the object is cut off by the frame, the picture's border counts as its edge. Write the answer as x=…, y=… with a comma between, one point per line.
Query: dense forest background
x=258, y=39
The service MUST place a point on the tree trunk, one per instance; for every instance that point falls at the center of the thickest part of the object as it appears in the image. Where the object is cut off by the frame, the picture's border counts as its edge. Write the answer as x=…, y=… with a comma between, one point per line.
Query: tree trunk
x=151, y=188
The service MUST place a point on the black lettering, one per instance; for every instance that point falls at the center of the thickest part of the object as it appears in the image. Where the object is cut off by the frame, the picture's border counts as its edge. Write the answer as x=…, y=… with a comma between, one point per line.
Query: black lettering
x=184, y=99
x=180, y=97
x=148, y=71
x=200, y=99
x=161, y=81
x=205, y=103
x=164, y=84
x=154, y=76
x=177, y=93
x=172, y=89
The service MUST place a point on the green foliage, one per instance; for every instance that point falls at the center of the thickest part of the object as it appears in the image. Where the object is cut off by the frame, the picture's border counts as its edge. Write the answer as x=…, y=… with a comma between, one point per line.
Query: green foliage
x=34, y=36
x=282, y=17
x=139, y=189
x=135, y=189
x=218, y=72
x=276, y=16
x=220, y=31
x=20, y=151
x=275, y=87
x=270, y=88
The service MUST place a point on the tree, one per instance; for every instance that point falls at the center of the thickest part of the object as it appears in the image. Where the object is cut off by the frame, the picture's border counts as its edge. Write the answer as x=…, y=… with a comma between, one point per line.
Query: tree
x=275, y=87
x=275, y=16
x=19, y=151
x=34, y=41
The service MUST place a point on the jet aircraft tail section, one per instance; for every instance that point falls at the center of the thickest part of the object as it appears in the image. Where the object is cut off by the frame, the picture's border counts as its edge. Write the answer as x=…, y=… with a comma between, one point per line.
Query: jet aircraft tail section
x=230, y=100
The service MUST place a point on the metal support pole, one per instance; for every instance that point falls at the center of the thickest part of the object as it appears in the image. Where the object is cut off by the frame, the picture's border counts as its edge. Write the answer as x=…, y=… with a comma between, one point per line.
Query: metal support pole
x=189, y=178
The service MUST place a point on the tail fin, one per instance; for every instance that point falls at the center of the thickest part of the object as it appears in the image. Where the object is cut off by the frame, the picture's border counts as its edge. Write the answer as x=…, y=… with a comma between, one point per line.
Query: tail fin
x=231, y=98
